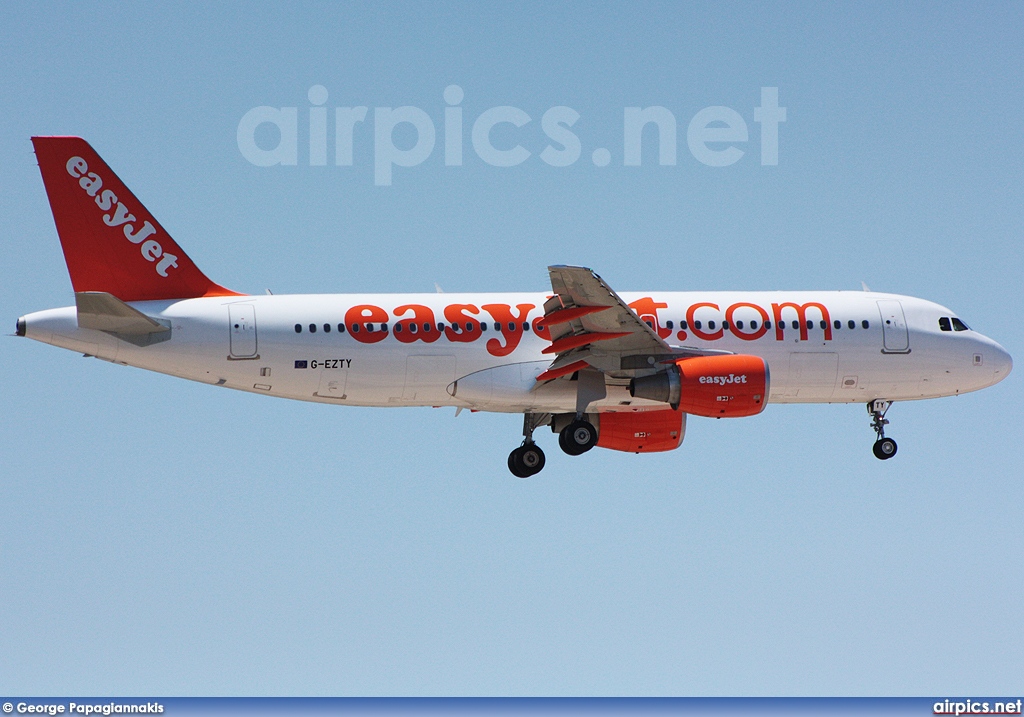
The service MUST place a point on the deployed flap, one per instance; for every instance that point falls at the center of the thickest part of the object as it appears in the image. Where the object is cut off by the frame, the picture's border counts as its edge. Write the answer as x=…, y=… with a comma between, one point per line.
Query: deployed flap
x=591, y=326
x=617, y=327
x=105, y=312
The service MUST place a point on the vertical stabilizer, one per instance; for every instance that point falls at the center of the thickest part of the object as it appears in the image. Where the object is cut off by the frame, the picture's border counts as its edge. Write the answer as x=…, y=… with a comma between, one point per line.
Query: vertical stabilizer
x=111, y=242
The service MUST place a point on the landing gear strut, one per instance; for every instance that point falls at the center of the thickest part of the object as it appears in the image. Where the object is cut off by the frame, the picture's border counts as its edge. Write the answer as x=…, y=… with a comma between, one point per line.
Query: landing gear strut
x=581, y=435
x=528, y=459
x=884, y=448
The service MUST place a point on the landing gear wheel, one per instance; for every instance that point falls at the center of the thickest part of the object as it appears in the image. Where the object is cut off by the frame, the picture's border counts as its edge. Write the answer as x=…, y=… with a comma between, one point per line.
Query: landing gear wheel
x=532, y=457
x=578, y=437
x=525, y=461
x=884, y=449
x=528, y=459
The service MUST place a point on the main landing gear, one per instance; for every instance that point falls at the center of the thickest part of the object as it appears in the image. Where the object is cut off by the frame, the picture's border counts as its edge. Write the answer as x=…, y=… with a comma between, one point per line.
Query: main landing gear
x=525, y=461
x=528, y=459
x=884, y=448
x=576, y=437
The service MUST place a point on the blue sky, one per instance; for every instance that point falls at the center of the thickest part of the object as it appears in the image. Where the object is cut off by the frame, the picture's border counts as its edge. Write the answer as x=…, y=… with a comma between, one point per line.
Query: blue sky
x=161, y=537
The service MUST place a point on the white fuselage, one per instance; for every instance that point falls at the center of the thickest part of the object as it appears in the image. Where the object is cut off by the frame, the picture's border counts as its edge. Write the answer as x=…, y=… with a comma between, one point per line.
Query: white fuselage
x=895, y=349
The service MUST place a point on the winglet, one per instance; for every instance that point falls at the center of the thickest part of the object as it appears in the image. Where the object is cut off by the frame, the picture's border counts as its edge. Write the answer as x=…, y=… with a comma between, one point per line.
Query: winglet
x=111, y=242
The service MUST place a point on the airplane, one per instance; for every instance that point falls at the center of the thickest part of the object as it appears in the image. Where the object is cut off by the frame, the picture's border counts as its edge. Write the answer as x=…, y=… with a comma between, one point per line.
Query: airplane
x=600, y=368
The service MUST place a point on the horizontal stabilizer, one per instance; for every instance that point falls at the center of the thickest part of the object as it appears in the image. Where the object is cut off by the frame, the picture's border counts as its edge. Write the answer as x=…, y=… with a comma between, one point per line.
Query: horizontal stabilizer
x=105, y=312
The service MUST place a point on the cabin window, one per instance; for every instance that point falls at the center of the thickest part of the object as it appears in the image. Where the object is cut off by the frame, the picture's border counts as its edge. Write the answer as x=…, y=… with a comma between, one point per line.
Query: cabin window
x=511, y=326
x=851, y=324
x=866, y=324
x=312, y=328
x=341, y=328
x=682, y=325
x=768, y=324
x=355, y=328
x=526, y=326
x=697, y=325
x=753, y=325
x=669, y=324
x=837, y=324
x=739, y=324
x=483, y=326
x=822, y=324
x=796, y=324
x=711, y=324
x=383, y=327
x=327, y=328
x=440, y=326
x=298, y=328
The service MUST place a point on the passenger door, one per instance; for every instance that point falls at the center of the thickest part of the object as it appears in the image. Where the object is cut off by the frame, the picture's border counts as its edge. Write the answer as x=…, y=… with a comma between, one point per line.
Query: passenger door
x=895, y=337
x=242, y=328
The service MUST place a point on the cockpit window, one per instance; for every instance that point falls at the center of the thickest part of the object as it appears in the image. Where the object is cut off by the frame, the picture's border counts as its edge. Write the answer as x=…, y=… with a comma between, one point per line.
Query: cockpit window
x=944, y=324
x=959, y=325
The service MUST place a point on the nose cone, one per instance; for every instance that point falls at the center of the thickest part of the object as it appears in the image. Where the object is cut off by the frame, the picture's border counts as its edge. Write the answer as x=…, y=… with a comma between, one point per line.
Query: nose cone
x=991, y=363
x=1000, y=362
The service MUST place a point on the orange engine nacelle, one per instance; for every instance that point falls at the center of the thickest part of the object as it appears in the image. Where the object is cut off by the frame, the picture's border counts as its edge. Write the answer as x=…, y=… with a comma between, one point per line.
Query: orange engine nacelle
x=641, y=432
x=713, y=386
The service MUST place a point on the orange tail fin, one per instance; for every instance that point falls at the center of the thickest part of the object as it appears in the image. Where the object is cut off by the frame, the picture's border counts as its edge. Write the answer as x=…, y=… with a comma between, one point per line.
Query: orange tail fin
x=111, y=242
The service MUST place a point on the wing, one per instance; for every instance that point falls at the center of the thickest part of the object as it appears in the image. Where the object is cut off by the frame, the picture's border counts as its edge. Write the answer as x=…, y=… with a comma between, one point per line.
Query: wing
x=591, y=326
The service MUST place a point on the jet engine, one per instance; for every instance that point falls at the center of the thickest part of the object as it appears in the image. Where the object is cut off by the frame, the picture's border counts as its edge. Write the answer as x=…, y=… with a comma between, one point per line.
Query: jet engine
x=714, y=386
x=641, y=432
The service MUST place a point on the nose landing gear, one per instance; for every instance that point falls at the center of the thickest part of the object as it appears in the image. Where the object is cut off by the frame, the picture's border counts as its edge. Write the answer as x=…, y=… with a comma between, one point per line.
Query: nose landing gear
x=884, y=448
